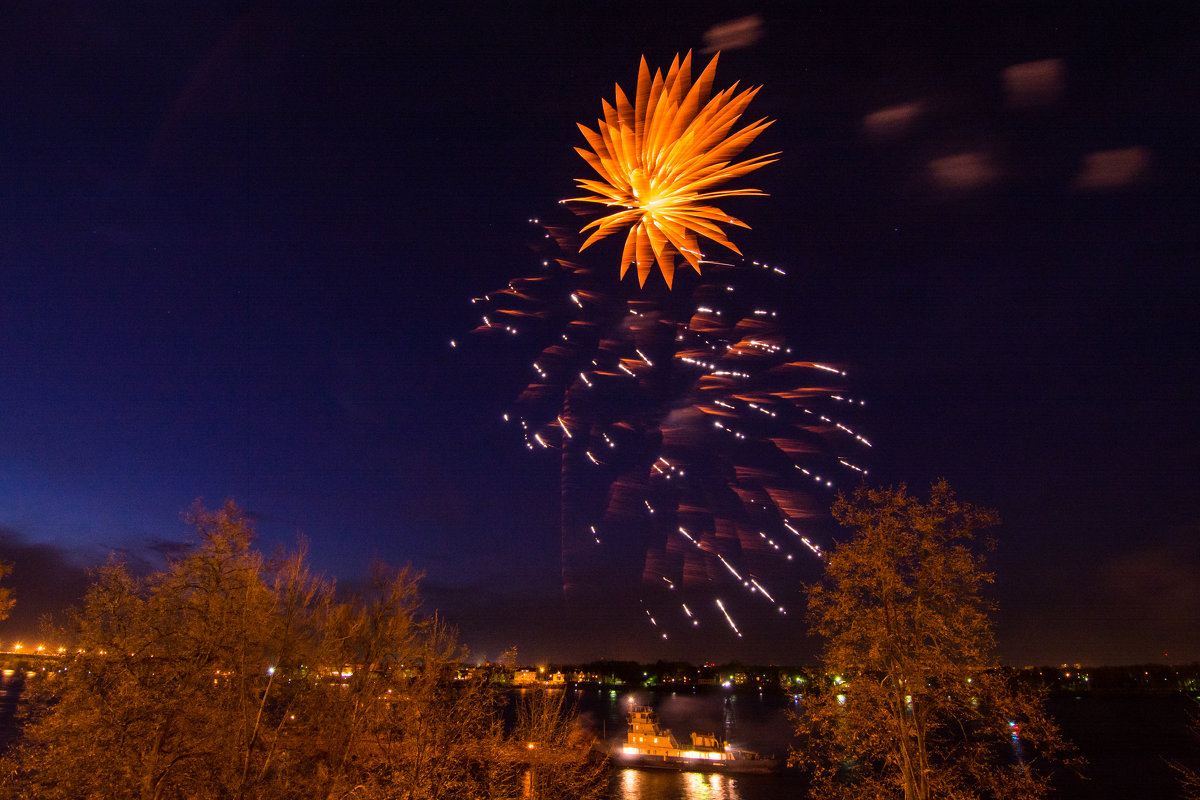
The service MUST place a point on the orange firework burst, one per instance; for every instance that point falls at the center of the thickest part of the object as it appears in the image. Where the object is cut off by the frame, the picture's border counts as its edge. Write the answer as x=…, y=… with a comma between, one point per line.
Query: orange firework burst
x=658, y=161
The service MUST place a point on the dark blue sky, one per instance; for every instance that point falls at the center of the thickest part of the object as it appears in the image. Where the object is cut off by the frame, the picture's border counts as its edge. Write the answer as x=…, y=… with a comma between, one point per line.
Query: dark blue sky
x=236, y=238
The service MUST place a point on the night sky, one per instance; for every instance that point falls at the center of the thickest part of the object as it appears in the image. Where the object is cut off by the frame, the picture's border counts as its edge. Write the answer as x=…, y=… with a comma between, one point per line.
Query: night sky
x=236, y=239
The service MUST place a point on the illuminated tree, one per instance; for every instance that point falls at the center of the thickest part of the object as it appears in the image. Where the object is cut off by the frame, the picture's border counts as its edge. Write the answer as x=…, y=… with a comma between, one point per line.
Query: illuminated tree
x=178, y=677
x=1189, y=777
x=554, y=750
x=6, y=598
x=230, y=676
x=916, y=705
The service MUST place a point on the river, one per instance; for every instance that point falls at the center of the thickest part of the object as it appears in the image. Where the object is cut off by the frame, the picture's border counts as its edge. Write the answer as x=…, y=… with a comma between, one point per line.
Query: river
x=1127, y=739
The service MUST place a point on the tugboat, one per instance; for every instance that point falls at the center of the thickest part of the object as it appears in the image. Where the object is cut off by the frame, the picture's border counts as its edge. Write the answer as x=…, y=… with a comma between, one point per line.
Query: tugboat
x=648, y=744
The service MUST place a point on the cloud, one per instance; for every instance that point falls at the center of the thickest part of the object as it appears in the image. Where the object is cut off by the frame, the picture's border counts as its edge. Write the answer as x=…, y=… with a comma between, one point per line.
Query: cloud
x=45, y=580
x=1139, y=604
x=168, y=548
x=1159, y=580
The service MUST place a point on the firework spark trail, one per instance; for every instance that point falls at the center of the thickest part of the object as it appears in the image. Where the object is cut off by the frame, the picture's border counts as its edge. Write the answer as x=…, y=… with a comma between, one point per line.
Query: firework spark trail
x=684, y=422
x=728, y=618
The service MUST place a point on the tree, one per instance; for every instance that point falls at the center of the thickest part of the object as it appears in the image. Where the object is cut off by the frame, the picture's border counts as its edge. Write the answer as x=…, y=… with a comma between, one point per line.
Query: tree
x=6, y=598
x=399, y=724
x=916, y=704
x=1189, y=776
x=228, y=675
x=553, y=751
x=173, y=672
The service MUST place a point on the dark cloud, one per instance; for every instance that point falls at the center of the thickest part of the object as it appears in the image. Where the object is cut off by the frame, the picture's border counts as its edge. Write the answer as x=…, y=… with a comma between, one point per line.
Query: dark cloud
x=45, y=580
x=1139, y=604
x=1155, y=588
x=168, y=548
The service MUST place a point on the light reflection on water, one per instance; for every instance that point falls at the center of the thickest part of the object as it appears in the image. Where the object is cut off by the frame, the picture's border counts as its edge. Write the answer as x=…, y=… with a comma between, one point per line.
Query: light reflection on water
x=634, y=784
x=638, y=784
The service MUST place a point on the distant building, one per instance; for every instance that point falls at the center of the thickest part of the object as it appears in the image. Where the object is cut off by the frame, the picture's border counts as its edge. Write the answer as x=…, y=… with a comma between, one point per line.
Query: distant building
x=738, y=678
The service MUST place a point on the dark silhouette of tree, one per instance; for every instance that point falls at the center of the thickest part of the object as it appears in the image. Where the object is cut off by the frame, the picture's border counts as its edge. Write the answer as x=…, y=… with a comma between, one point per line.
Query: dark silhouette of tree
x=916, y=705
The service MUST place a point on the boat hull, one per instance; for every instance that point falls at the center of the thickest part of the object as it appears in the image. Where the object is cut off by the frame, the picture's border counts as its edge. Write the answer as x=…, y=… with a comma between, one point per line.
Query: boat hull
x=740, y=766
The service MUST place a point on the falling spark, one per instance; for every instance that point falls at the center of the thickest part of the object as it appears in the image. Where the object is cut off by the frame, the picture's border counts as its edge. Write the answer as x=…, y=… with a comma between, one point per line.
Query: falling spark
x=736, y=574
x=759, y=586
x=728, y=618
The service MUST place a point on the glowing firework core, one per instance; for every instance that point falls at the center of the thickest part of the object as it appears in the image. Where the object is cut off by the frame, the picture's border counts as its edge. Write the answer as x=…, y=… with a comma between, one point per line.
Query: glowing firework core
x=658, y=160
